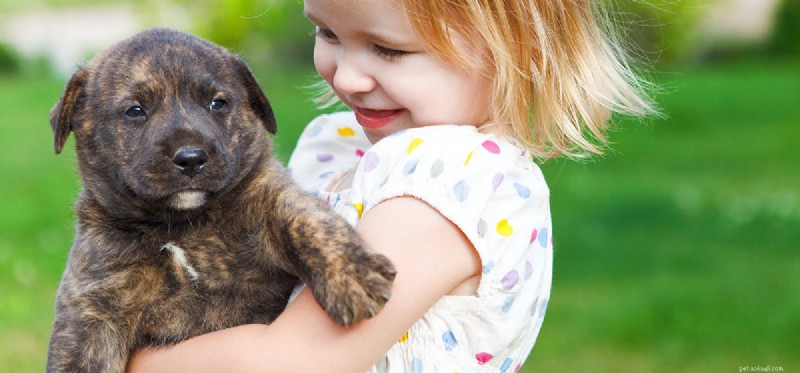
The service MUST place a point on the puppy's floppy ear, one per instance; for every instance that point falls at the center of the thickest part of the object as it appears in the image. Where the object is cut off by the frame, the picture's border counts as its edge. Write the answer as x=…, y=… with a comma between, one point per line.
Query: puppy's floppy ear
x=61, y=115
x=256, y=99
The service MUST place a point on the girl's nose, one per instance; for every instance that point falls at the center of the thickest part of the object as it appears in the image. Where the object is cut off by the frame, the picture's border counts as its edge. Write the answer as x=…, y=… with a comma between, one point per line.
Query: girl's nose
x=350, y=77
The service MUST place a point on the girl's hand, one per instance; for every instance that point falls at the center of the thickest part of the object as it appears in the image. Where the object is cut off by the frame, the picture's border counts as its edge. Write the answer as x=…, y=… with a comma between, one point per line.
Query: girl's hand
x=432, y=257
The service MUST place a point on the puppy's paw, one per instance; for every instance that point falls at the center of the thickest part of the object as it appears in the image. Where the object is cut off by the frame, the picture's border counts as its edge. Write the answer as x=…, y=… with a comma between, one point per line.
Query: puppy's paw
x=357, y=288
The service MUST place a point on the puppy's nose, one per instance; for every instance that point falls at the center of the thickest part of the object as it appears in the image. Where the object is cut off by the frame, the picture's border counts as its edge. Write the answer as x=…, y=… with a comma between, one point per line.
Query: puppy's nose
x=190, y=161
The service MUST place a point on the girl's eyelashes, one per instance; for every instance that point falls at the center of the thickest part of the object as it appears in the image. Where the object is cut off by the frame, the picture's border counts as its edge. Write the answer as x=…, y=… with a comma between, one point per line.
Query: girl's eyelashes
x=388, y=53
x=379, y=50
x=325, y=34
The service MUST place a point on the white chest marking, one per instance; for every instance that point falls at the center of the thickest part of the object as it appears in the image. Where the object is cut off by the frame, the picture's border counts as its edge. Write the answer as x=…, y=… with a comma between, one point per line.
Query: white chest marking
x=180, y=258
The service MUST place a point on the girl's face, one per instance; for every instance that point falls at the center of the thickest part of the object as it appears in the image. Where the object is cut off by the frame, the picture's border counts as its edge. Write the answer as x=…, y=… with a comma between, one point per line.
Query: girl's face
x=370, y=55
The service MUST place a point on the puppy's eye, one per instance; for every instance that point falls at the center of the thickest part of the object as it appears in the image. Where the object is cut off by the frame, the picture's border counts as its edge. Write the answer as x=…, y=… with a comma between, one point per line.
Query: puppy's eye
x=135, y=111
x=217, y=104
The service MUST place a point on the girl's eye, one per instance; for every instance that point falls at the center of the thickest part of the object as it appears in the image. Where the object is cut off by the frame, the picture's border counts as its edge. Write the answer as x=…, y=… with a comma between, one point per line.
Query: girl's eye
x=217, y=104
x=389, y=53
x=325, y=34
x=135, y=111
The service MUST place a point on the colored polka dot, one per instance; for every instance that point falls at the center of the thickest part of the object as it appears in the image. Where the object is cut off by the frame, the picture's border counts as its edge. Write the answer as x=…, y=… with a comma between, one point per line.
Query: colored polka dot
x=482, y=228
x=359, y=153
x=508, y=303
x=449, y=340
x=414, y=144
x=324, y=157
x=491, y=147
x=504, y=228
x=497, y=180
x=543, y=237
x=416, y=365
x=370, y=161
x=522, y=190
x=487, y=267
x=437, y=168
x=516, y=369
x=506, y=364
x=326, y=174
x=404, y=337
x=469, y=156
x=314, y=131
x=542, y=308
x=359, y=208
x=410, y=167
x=528, y=270
x=483, y=357
x=510, y=280
x=534, y=234
x=461, y=191
x=346, y=132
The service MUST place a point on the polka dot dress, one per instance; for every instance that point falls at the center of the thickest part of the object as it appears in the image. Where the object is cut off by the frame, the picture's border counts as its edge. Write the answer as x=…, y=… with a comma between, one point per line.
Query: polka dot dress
x=485, y=185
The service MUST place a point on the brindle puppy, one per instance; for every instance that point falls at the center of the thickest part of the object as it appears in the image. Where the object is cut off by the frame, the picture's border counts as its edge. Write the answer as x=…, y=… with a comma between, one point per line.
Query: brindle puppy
x=186, y=223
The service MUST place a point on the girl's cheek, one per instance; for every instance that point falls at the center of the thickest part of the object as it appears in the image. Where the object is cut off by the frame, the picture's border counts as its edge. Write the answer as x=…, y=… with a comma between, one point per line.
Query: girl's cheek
x=324, y=62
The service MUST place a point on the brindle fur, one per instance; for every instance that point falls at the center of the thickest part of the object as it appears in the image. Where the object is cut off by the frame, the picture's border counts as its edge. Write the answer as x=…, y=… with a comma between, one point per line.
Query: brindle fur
x=245, y=248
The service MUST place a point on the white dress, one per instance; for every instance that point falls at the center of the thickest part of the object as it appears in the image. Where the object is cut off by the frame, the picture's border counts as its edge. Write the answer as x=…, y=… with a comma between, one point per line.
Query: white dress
x=488, y=187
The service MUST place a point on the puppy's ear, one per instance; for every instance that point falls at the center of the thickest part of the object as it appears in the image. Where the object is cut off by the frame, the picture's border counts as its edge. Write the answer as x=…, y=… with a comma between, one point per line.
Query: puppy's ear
x=61, y=115
x=257, y=100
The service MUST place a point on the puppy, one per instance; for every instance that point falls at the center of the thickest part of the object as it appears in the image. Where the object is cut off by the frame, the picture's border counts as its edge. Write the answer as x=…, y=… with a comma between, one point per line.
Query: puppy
x=186, y=222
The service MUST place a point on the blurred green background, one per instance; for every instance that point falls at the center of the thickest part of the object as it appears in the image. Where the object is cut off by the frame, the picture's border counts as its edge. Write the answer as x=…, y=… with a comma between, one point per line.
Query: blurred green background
x=675, y=252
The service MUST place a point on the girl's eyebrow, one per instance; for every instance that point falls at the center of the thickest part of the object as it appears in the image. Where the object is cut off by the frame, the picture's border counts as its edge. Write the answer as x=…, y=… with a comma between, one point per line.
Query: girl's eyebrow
x=310, y=16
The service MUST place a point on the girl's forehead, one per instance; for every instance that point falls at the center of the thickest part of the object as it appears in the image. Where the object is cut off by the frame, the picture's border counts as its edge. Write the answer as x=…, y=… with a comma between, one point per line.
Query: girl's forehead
x=374, y=9
x=351, y=17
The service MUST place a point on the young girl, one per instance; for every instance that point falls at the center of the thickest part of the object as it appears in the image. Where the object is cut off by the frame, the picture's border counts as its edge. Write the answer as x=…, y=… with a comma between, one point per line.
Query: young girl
x=450, y=102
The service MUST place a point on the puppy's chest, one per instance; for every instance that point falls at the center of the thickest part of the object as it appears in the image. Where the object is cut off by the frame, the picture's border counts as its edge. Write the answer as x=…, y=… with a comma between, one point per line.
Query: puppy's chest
x=211, y=264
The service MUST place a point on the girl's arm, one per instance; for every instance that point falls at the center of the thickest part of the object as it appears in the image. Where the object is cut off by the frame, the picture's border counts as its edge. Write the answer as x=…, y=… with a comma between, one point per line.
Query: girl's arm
x=432, y=257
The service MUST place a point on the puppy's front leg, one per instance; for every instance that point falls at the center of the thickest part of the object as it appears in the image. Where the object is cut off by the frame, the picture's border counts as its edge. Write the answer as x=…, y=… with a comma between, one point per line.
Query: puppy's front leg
x=85, y=339
x=349, y=280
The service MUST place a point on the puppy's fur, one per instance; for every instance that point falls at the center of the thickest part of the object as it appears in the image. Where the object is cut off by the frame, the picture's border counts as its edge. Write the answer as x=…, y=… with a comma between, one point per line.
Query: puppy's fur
x=186, y=223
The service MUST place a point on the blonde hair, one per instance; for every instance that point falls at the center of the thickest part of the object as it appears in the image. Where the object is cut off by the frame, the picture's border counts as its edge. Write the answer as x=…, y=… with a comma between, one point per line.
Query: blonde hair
x=557, y=72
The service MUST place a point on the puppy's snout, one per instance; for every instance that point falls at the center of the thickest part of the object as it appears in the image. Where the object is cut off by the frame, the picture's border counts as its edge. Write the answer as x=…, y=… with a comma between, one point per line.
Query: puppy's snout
x=190, y=161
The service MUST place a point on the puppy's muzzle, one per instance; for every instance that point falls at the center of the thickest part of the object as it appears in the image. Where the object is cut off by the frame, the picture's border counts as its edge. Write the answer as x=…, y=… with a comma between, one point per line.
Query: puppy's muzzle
x=190, y=161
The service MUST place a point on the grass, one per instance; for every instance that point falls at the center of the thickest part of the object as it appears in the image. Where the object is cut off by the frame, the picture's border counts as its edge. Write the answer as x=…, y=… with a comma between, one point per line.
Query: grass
x=678, y=251
x=675, y=252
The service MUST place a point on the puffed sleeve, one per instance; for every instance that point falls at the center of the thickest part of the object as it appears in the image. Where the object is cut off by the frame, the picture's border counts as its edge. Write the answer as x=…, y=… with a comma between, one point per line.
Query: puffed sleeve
x=485, y=185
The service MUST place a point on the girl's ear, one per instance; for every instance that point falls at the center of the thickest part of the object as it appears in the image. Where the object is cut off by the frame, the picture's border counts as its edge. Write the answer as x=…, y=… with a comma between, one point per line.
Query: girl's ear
x=256, y=99
x=61, y=116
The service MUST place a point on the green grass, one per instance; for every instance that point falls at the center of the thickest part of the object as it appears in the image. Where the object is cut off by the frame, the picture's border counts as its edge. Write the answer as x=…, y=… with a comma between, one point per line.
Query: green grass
x=676, y=252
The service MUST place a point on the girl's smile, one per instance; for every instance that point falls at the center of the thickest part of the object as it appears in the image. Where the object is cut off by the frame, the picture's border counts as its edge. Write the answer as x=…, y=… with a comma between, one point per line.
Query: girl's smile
x=376, y=119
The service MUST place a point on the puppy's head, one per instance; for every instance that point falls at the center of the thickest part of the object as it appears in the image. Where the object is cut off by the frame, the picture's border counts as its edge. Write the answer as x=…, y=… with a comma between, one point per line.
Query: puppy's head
x=165, y=119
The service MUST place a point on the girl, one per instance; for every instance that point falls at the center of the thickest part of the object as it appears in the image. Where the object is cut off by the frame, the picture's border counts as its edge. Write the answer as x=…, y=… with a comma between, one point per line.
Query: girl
x=450, y=103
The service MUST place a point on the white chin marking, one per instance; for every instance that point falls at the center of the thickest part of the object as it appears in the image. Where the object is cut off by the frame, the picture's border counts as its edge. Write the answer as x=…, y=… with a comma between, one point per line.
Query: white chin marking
x=187, y=200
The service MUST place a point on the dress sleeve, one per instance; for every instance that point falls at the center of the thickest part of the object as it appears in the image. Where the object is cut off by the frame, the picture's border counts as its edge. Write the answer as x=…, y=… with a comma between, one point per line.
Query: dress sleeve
x=485, y=185
x=330, y=145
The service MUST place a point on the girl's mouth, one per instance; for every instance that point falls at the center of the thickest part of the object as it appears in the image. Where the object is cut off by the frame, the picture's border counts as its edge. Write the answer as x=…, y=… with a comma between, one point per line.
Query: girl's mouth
x=374, y=119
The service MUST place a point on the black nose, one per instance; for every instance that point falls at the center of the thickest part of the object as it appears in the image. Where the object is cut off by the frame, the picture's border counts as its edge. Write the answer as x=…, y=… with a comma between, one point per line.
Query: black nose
x=190, y=161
